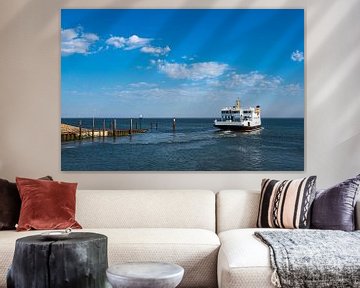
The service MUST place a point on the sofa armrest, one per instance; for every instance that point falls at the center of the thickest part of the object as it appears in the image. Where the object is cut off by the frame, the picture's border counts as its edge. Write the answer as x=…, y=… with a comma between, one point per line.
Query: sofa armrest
x=357, y=215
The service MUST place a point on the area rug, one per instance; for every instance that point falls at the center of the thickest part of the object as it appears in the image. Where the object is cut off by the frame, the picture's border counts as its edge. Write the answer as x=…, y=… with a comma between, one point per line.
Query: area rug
x=313, y=258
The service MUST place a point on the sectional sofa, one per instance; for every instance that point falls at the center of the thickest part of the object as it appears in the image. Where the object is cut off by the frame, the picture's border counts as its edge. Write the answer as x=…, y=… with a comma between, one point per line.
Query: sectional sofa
x=210, y=235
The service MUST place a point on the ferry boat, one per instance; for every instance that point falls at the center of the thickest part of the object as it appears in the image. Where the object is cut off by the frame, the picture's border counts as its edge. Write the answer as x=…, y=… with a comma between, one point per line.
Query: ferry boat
x=237, y=118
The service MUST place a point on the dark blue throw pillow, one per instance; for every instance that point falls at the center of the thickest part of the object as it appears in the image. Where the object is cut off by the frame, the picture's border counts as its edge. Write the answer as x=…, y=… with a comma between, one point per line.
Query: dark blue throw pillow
x=334, y=208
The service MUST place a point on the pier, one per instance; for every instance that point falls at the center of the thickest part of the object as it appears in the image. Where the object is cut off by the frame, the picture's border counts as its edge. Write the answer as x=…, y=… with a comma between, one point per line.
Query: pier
x=71, y=133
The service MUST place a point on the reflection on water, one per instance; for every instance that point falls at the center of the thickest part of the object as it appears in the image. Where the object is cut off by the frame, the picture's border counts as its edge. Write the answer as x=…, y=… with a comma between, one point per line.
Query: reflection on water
x=195, y=145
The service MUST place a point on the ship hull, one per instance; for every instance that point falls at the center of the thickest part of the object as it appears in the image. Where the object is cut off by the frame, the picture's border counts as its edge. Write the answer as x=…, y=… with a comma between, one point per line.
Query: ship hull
x=237, y=127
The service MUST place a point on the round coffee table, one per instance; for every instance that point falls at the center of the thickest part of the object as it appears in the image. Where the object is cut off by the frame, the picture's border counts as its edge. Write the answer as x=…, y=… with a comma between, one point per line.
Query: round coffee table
x=145, y=275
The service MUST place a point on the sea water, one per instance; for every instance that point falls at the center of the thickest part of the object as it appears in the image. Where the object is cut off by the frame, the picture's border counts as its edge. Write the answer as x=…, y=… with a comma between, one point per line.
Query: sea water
x=195, y=145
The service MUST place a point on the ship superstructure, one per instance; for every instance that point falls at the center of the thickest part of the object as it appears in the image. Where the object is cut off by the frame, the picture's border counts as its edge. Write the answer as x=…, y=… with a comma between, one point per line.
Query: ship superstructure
x=238, y=118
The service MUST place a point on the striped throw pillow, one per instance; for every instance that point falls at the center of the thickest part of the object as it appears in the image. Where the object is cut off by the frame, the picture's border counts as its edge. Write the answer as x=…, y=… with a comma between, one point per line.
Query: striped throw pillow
x=286, y=204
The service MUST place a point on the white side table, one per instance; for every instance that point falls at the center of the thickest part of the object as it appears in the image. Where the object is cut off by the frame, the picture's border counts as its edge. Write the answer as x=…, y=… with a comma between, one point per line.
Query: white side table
x=145, y=275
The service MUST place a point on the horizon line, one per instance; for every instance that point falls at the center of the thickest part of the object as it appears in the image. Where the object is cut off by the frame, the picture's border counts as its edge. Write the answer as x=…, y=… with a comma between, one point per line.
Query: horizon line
x=166, y=117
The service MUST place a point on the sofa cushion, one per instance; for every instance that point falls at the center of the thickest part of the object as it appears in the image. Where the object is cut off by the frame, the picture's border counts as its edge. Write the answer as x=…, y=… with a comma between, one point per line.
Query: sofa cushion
x=334, y=208
x=286, y=204
x=236, y=209
x=153, y=209
x=46, y=204
x=244, y=261
x=10, y=204
x=194, y=249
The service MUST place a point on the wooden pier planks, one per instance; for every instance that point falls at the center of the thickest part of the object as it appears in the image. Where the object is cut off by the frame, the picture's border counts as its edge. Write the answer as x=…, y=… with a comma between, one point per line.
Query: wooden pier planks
x=71, y=133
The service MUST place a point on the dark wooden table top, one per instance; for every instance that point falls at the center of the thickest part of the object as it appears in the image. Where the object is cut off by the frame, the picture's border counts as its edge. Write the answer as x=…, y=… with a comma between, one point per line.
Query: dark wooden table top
x=72, y=238
x=79, y=260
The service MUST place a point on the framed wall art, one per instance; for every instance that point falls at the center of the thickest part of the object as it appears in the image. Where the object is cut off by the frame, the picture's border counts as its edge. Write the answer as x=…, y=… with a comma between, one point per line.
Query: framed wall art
x=182, y=89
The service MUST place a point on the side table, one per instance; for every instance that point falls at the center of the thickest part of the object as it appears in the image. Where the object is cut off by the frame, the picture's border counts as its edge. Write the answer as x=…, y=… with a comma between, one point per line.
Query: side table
x=78, y=261
x=145, y=275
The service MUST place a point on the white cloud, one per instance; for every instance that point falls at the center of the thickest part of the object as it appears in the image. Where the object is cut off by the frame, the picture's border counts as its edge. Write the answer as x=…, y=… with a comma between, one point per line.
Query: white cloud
x=117, y=42
x=142, y=85
x=195, y=71
x=188, y=58
x=133, y=42
x=74, y=41
x=68, y=34
x=293, y=89
x=213, y=82
x=253, y=79
x=210, y=94
x=90, y=36
x=297, y=56
x=157, y=51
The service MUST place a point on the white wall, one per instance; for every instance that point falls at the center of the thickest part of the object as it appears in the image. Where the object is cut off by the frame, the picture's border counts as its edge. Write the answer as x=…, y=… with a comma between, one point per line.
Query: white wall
x=30, y=94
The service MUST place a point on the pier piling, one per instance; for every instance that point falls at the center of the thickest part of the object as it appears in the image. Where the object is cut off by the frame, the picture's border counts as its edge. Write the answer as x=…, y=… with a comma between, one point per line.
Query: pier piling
x=174, y=124
x=80, y=129
x=93, y=128
x=103, y=128
x=114, y=128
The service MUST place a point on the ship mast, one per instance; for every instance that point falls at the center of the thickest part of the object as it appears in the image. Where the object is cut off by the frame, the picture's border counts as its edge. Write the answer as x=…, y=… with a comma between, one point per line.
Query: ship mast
x=237, y=104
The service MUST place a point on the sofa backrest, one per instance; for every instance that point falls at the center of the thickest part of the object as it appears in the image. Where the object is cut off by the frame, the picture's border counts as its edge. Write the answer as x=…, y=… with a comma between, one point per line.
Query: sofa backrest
x=239, y=209
x=236, y=209
x=146, y=209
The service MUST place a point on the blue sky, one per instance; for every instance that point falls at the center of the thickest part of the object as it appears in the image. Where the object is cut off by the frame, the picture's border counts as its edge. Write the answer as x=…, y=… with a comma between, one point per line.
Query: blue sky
x=182, y=62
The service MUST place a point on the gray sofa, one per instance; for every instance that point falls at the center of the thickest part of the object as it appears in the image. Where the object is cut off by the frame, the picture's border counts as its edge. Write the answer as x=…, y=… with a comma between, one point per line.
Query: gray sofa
x=210, y=235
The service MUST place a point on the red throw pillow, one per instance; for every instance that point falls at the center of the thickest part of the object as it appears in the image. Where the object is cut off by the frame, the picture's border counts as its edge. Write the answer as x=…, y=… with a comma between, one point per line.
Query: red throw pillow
x=10, y=204
x=46, y=204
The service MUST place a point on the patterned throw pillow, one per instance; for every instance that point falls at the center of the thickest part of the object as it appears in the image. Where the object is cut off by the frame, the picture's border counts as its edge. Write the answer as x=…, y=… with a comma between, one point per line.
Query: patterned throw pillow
x=286, y=204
